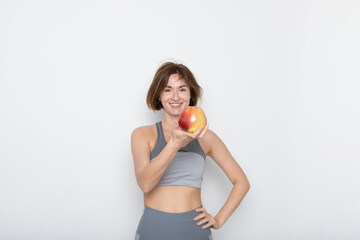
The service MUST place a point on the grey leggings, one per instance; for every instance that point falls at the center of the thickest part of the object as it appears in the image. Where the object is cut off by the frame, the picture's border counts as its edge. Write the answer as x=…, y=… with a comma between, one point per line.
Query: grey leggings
x=158, y=225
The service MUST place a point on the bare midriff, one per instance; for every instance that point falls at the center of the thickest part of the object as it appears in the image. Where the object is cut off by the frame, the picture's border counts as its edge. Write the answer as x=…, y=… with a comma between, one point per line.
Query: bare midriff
x=173, y=199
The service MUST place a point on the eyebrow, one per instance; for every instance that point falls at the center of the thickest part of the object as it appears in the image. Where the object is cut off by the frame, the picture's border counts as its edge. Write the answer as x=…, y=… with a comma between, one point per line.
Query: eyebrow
x=179, y=87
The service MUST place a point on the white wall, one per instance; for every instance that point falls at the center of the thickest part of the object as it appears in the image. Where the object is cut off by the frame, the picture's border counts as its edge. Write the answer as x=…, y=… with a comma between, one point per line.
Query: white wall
x=281, y=88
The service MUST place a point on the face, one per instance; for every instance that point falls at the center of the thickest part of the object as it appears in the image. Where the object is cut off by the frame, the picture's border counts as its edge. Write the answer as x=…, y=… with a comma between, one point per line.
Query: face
x=176, y=95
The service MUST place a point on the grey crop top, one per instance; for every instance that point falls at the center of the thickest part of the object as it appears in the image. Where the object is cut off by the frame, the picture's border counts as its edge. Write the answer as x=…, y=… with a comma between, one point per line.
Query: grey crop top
x=188, y=165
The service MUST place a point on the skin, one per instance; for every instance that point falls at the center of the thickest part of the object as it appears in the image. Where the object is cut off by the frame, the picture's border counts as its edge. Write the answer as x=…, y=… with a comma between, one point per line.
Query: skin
x=182, y=198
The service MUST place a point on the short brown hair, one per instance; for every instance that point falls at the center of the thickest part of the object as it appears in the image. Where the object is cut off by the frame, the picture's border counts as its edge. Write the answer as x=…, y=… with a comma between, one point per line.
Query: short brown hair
x=161, y=79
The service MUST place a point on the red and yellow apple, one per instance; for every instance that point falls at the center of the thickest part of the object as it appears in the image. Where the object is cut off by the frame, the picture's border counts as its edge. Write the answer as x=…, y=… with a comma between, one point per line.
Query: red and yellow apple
x=192, y=118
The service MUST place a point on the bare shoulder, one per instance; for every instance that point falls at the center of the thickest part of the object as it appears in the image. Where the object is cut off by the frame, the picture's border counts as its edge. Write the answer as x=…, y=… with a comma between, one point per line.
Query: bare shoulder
x=209, y=140
x=142, y=140
x=210, y=137
x=143, y=132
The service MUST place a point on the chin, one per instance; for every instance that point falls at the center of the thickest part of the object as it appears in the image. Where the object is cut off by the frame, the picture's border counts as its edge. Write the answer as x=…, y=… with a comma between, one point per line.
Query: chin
x=176, y=113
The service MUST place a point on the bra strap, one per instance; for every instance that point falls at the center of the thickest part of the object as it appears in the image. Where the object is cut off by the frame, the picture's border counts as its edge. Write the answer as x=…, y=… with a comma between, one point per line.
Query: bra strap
x=160, y=132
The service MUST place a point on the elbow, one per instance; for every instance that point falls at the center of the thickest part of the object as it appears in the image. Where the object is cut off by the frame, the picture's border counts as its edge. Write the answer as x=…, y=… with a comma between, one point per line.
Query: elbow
x=146, y=185
x=146, y=188
x=247, y=185
x=243, y=184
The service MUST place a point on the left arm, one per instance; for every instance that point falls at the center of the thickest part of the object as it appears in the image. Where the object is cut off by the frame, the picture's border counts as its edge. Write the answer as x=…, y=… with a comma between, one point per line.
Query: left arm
x=221, y=155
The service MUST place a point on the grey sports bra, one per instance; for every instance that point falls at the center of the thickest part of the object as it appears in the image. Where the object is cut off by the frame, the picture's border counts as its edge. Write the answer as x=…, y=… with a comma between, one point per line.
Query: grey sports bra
x=188, y=165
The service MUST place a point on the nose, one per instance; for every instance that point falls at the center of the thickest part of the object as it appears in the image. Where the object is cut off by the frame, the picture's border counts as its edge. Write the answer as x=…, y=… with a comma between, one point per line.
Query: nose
x=175, y=96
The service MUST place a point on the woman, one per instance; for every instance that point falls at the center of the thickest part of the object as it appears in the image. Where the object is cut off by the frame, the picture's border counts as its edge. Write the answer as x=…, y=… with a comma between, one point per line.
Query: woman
x=169, y=164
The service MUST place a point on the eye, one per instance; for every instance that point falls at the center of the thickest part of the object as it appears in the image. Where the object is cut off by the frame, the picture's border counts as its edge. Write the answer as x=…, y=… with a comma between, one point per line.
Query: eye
x=183, y=90
x=167, y=90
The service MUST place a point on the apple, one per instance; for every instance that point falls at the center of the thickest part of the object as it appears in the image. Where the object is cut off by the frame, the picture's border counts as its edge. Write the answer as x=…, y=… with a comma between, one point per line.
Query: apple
x=192, y=118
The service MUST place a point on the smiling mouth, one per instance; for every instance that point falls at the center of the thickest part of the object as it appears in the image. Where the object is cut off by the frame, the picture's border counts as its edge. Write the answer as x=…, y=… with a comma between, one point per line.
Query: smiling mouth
x=175, y=104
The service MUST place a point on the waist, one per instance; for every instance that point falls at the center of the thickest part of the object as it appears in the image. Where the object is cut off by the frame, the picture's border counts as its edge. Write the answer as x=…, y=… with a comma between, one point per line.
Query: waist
x=173, y=199
x=150, y=210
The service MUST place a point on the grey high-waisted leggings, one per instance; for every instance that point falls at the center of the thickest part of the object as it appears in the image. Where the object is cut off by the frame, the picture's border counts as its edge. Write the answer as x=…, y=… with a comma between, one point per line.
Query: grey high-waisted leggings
x=158, y=225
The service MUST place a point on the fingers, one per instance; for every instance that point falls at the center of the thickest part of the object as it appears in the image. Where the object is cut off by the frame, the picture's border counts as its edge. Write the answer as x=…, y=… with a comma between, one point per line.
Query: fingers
x=200, y=132
x=210, y=223
x=204, y=131
x=184, y=137
x=205, y=218
x=200, y=209
x=199, y=216
x=197, y=132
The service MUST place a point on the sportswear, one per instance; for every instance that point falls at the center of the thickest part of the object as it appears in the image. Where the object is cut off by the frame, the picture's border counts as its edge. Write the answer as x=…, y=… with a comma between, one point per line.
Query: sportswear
x=188, y=165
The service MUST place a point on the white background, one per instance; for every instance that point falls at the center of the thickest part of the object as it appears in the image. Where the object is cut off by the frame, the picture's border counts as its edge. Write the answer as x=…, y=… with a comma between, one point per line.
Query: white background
x=281, y=89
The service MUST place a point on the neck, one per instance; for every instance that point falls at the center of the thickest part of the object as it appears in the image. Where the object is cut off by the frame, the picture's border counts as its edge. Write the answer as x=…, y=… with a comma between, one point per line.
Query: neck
x=168, y=121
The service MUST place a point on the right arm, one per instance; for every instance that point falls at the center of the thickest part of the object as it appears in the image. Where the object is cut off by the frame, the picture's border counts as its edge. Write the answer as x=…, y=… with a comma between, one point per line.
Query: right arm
x=148, y=173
